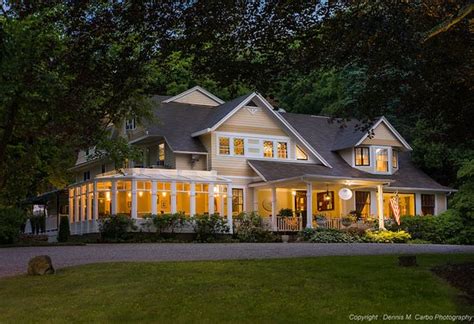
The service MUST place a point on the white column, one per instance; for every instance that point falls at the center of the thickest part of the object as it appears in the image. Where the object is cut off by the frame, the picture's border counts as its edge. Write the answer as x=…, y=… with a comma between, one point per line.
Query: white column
x=255, y=200
x=153, y=197
x=134, y=210
x=95, y=213
x=229, y=207
x=77, y=216
x=274, y=209
x=309, y=205
x=211, y=198
x=173, y=197
x=192, y=197
x=373, y=203
x=418, y=204
x=380, y=206
x=113, y=196
x=88, y=209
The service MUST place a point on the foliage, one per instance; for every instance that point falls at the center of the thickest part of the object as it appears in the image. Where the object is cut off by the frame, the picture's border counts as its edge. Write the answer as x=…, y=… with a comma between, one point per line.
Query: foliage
x=116, y=227
x=463, y=201
x=321, y=235
x=321, y=218
x=11, y=220
x=64, y=231
x=168, y=222
x=387, y=236
x=208, y=227
x=348, y=220
x=285, y=212
x=306, y=234
x=248, y=227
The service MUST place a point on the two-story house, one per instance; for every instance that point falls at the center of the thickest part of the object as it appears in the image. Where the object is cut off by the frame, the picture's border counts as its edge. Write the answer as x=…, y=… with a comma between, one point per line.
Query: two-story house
x=204, y=155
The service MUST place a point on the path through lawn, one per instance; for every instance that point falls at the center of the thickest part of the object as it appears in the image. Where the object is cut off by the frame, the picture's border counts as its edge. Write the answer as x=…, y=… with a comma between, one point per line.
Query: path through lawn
x=284, y=290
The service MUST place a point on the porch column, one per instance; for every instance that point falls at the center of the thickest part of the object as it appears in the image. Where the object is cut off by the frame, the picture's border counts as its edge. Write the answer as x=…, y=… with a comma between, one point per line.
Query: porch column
x=255, y=200
x=192, y=197
x=89, y=209
x=77, y=216
x=380, y=206
x=229, y=207
x=373, y=203
x=95, y=213
x=173, y=197
x=418, y=204
x=134, y=210
x=274, y=209
x=114, y=198
x=153, y=197
x=211, y=198
x=309, y=205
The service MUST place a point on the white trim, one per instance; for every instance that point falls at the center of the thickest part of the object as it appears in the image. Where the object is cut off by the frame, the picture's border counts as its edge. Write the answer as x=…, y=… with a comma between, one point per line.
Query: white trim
x=189, y=152
x=392, y=129
x=256, y=171
x=421, y=189
x=196, y=88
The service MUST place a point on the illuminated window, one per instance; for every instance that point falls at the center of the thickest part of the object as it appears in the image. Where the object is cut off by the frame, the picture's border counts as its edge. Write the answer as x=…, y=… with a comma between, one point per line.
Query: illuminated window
x=237, y=201
x=239, y=146
x=163, y=197
x=161, y=154
x=362, y=156
x=224, y=146
x=406, y=203
x=268, y=149
x=130, y=124
x=362, y=202
x=282, y=149
x=381, y=160
x=300, y=154
x=395, y=159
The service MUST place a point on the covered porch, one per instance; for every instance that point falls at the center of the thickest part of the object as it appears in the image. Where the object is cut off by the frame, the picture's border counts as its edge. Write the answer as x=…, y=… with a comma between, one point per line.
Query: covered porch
x=310, y=201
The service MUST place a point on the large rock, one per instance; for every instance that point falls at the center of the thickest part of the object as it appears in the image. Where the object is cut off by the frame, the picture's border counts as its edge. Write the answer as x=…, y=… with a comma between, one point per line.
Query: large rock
x=40, y=265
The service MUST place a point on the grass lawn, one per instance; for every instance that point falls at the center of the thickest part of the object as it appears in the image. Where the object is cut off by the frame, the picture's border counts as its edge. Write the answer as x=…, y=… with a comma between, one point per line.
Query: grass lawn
x=284, y=290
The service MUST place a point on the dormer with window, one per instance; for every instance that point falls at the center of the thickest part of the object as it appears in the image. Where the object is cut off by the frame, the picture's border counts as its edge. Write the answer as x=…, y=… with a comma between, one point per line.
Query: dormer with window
x=130, y=124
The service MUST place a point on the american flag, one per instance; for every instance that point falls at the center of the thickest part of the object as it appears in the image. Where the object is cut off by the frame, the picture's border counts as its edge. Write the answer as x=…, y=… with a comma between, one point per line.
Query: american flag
x=395, y=208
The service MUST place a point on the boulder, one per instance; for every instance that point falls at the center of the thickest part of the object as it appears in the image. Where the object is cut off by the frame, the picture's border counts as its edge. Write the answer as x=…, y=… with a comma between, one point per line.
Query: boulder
x=40, y=265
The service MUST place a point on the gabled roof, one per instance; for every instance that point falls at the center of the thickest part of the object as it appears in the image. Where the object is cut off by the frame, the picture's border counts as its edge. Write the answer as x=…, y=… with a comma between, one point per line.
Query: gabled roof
x=218, y=101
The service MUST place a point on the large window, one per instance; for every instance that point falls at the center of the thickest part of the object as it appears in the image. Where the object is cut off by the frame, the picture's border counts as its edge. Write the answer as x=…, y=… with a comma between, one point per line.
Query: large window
x=300, y=154
x=183, y=198
x=395, y=159
x=163, y=197
x=202, y=198
x=224, y=145
x=124, y=197
x=282, y=148
x=143, y=198
x=406, y=203
x=161, y=154
x=381, y=160
x=362, y=156
x=237, y=201
x=239, y=146
x=268, y=149
x=362, y=203
x=428, y=204
x=325, y=200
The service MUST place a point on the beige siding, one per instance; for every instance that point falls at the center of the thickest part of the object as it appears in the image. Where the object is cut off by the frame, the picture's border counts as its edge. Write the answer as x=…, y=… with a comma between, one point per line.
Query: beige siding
x=184, y=162
x=197, y=98
x=383, y=136
x=206, y=140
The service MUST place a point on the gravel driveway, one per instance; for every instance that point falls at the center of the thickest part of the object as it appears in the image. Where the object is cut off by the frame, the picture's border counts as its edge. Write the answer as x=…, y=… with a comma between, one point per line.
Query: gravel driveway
x=14, y=260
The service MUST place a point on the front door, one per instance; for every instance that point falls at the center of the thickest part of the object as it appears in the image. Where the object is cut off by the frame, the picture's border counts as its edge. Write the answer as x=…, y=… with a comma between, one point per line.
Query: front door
x=300, y=205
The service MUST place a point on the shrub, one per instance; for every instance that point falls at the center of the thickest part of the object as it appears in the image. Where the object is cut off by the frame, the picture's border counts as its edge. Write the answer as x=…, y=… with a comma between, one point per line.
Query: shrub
x=286, y=212
x=11, y=220
x=116, y=227
x=331, y=236
x=355, y=232
x=250, y=229
x=64, y=232
x=207, y=227
x=306, y=234
x=387, y=236
x=168, y=222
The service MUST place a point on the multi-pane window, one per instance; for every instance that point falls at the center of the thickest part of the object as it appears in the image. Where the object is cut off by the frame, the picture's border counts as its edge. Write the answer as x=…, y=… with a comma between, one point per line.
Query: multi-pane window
x=130, y=124
x=224, y=145
x=362, y=156
x=428, y=204
x=268, y=149
x=282, y=148
x=161, y=154
x=300, y=154
x=87, y=175
x=237, y=201
x=239, y=146
x=381, y=160
x=395, y=159
x=362, y=202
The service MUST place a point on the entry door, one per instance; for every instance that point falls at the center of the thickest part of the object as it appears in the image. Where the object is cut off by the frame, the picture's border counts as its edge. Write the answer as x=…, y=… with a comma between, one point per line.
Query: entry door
x=300, y=205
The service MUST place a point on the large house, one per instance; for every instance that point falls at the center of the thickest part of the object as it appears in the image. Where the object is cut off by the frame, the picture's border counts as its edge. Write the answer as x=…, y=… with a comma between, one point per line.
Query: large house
x=203, y=155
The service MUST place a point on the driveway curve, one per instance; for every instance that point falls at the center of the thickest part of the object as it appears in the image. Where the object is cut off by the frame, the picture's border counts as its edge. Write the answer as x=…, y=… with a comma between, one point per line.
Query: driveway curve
x=14, y=261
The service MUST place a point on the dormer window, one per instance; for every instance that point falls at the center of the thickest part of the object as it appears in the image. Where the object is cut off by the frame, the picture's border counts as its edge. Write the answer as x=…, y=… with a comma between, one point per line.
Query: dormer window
x=282, y=148
x=362, y=156
x=300, y=154
x=381, y=160
x=224, y=145
x=268, y=149
x=130, y=124
x=395, y=159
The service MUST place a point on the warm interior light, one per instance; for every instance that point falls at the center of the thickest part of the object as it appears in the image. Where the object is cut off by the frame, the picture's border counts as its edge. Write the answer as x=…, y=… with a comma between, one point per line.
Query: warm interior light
x=216, y=189
x=224, y=195
x=327, y=195
x=129, y=194
x=163, y=193
x=140, y=193
x=107, y=196
x=293, y=193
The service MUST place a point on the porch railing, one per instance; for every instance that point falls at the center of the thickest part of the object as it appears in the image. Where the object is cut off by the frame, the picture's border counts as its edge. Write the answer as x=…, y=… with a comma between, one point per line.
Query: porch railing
x=334, y=223
x=289, y=224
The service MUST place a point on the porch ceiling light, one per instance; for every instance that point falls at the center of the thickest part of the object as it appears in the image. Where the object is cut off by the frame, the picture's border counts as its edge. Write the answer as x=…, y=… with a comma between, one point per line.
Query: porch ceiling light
x=293, y=193
x=140, y=193
x=327, y=195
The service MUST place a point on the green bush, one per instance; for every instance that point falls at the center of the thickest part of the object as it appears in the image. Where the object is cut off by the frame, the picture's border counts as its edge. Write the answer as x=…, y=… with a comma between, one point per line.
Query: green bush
x=64, y=232
x=116, y=227
x=286, y=212
x=387, y=237
x=168, y=222
x=11, y=221
x=207, y=227
x=250, y=229
x=306, y=234
x=327, y=235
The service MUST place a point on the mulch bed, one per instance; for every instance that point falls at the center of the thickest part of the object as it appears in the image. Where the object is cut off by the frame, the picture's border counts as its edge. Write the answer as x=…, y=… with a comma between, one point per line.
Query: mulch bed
x=460, y=276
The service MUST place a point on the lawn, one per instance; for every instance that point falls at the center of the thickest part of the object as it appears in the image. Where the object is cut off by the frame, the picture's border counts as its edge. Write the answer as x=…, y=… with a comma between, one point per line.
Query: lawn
x=282, y=290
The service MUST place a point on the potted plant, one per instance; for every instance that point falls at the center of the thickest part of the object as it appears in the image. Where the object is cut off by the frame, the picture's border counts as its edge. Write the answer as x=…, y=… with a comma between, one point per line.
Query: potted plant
x=321, y=219
x=348, y=220
x=286, y=212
